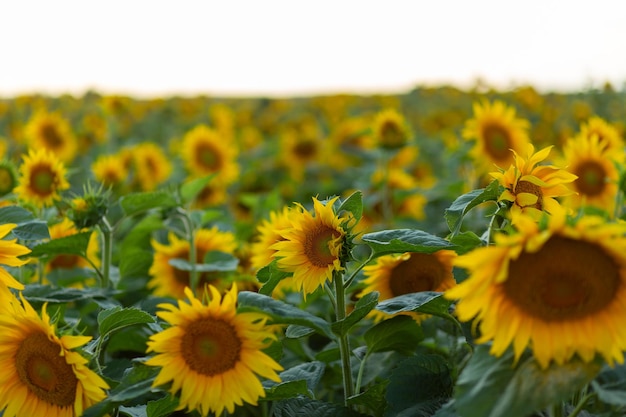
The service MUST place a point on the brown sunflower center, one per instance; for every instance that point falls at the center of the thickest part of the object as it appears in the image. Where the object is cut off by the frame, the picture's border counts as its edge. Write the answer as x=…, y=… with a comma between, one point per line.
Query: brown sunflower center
x=421, y=272
x=317, y=246
x=211, y=346
x=497, y=142
x=51, y=136
x=591, y=178
x=566, y=279
x=305, y=149
x=391, y=135
x=42, y=180
x=207, y=157
x=65, y=261
x=7, y=181
x=530, y=188
x=44, y=371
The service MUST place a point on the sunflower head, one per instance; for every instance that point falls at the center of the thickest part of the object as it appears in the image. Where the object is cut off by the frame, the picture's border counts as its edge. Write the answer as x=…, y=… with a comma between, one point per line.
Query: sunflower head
x=609, y=137
x=8, y=177
x=205, y=151
x=88, y=210
x=42, y=178
x=211, y=355
x=52, y=132
x=390, y=129
x=560, y=287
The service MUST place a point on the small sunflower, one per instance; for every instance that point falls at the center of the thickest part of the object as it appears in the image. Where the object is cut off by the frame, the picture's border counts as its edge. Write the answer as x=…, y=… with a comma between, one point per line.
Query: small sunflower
x=394, y=275
x=301, y=149
x=40, y=373
x=608, y=136
x=152, y=166
x=312, y=247
x=168, y=281
x=597, y=182
x=533, y=188
x=211, y=355
x=52, y=132
x=206, y=152
x=110, y=170
x=8, y=177
x=42, y=178
x=496, y=131
x=9, y=252
x=390, y=129
x=561, y=289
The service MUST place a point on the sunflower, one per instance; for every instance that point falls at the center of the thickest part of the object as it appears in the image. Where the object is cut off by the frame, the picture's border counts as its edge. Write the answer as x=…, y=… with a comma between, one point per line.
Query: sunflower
x=9, y=252
x=211, y=355
x=67, y=228
x=608, y=136
x=152, y=167
x=496, y=131
x=532, y=188
x=110, y=170
x=206, y=152
x=41, y=374
x=301, y=149
x=52, y=132
x=8, y=177
x=168, y=281
x=42, y=177
x=311, y=248
x=597, y=182
x=561, y=288
x=390, y=129
x=394, y=275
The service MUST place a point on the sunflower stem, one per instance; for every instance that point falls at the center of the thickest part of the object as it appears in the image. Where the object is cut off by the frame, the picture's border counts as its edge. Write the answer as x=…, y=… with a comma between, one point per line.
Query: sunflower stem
x=107, y=252
x=356, y=271
x=194, y=277
x=344, y=345
x=581, y=404
x=359, y=377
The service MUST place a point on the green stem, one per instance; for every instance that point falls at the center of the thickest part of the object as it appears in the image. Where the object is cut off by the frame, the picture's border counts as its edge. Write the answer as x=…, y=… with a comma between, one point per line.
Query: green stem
x=356, y=271
x=344, y=345
x=107, y=252
x=581, y=404
x=557, y=410
x=359, y=377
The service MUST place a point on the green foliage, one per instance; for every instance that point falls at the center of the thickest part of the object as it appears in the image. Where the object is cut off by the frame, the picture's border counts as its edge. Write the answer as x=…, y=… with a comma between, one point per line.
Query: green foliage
x=388, y=242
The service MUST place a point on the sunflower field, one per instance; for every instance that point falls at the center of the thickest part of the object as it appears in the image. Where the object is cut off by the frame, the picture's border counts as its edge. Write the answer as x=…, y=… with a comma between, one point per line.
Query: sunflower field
x=443, y=252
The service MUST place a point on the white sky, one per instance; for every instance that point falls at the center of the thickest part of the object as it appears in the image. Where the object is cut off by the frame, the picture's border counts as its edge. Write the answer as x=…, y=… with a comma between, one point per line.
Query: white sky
x=291, y=47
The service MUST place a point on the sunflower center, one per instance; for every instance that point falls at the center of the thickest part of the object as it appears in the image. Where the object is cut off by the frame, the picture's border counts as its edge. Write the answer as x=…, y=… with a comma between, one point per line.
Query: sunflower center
x=305, y=149
x=528, y=187
x=44, y=371
x=566, y=279
x=42, y=180
x=497, y=142
x=65, y=261
x=391, y=135
x=51, y=135
x=7, y=181
x=590, y=179
x=207, y=157
x=211, y=346
x=317, y=246
x=421, y=272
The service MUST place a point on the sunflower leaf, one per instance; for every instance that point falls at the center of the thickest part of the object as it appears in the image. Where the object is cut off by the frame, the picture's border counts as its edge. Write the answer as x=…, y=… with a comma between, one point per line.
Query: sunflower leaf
x=610, y=385
x=400, y=333
x=301, y=379
x=353, y=204
x=162, y=407
x=75, y=244
x=213, y=261
x=136, y=203
x=281, y=312
x=15, y=214
x=117, y=318
x=191, y=189
x=372, y=398
x=361, y=309
x=464, y=203
x=388, y=242
x=32, y=230
x=270, y=276
x=427, y=302
x=306, y=407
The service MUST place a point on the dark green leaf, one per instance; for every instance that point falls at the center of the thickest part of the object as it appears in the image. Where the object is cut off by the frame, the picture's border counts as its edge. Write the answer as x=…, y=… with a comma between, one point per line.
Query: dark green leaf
x=610, y=385
x=32, y=230
x=136, y=203
x=295, y=332
x=426, y=302
x=36, y=293
x=136, y=263
x=213, y=261
x=69, y=245
x=15, y=214
x=404, y=240
x=353, y=204
x=466, y=241
x=286, y=390
x=190, y=190
x=307, y=407
x=117, y=318
x=301, y=379
x=270, y=276
x=464, y=203
x=419, y=385
x=162, y=407
x=372, y=398
x=281, y=312
x=361, y=309
x=399, y=333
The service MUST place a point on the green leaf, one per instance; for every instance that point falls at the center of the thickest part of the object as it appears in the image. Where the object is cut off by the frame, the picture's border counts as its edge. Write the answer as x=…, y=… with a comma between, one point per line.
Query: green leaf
x=136, y=263
x=75, y=244
x=301, y=379
x=361, y=309
x=32, y=230
x=15, y=214
x=419, y=385
x=37, y=293
x=213, y=261
x=117, y=318
x=190, y=189
x=426, y=302
x=162, y=407
x=464, y=203
x=404, y=240
x=295, y=332
x=610, y=385
x=136, y=203
x=466, y=241
x=281, y=312
x=307, y=407
x=494, y=387
x=399, y=333
x=353, y=204
x=270, y=276
x=372, y=398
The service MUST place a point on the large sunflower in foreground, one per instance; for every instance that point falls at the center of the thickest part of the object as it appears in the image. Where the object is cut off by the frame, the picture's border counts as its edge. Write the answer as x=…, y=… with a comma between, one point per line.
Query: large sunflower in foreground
x=40, y=373
x=9, y=252
x=312, y=246
x=169, y=281
x=205, y=152
x=560, y=291
x=42, y=178
x=496, y=131
x=211, y=355
x=52, y=132
x=532, y=188
x=598, y=177
x=394, y=275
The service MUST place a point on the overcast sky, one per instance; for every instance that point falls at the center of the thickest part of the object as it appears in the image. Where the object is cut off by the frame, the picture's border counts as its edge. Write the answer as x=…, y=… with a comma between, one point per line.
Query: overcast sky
x=291, y=47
